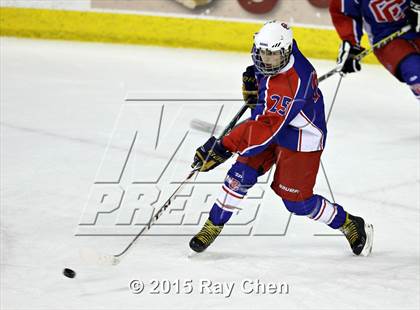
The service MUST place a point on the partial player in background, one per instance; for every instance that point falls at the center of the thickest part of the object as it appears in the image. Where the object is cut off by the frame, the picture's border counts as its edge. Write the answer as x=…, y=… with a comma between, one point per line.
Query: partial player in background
x=380, y=18
x=287, y=129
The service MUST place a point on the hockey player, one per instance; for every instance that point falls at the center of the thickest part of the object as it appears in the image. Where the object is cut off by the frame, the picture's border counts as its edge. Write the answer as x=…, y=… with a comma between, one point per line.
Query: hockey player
x=380, y=18
x=287, y=129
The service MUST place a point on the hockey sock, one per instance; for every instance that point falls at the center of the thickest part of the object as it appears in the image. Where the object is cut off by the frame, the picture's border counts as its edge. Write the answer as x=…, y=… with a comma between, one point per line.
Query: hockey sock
x=410, y=73
x=239, y=179
x=319, y=209
x=219, y=216
x=225, y=204
x=329, y=213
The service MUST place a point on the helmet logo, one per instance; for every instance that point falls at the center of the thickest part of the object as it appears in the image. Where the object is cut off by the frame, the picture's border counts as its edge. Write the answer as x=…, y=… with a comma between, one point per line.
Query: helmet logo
x=285, y=26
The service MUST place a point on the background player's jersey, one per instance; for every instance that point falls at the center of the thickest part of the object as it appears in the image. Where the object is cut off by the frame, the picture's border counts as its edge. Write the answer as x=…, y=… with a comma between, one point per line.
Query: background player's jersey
x=380, y=18
x=290, y=112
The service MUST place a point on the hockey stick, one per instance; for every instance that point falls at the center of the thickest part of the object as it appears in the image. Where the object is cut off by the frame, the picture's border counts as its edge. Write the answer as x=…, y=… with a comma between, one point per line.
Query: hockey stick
x=204, y=126
x=366, y=52
x=116, y=258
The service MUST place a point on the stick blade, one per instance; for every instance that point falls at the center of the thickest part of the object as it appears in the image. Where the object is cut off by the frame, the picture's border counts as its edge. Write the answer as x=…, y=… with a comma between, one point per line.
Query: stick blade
x=93, y=257
x=204, y=126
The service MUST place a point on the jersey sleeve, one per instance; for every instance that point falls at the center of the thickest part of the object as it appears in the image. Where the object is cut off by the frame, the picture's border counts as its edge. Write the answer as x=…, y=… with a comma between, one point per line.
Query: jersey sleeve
x=347, y=19
x=254, y=136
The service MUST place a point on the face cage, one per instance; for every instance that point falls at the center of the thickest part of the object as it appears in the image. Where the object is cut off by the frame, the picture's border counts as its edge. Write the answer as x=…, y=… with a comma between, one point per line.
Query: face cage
x=259, y=63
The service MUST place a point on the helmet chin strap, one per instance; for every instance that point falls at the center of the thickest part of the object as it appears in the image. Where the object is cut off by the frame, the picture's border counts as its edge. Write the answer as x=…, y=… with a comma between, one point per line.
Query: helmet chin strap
x=288, y=65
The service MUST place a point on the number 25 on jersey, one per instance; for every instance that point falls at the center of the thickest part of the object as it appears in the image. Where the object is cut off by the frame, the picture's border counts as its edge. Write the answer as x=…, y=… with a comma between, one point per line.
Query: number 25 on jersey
x=280, y=104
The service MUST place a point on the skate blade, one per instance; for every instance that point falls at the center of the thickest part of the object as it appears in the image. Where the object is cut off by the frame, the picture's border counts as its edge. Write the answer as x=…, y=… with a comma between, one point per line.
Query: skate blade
x=192, y=254
x=367, y=249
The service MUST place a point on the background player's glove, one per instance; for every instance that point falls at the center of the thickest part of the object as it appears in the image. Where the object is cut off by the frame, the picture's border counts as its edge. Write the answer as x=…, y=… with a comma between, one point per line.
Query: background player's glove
x=250, y=87
x=210, y=155
x=346, y=55
x=414, y=15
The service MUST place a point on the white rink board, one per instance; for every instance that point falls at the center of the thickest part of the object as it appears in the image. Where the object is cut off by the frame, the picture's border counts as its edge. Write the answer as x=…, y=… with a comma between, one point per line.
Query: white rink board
x=59, y=104
x=79, y=5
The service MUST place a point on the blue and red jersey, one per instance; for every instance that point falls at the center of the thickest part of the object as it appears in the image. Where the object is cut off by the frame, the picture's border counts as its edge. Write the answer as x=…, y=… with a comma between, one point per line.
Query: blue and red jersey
x=379, y=18
x=290, y=112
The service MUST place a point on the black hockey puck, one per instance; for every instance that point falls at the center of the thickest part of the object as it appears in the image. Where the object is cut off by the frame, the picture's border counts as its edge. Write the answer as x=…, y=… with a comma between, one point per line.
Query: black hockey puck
x=69, y=273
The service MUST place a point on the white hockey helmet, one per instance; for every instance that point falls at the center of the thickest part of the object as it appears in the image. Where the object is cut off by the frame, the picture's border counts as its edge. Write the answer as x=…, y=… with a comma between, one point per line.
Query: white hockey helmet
x=272, y=47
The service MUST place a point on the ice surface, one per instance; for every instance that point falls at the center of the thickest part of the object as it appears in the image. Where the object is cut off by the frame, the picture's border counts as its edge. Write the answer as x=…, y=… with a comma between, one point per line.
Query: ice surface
x=65, y=125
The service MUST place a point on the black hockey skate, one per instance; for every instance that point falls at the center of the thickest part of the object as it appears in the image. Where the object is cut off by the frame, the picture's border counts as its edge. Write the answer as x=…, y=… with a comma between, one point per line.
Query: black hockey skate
x=205, y=237
x=359, y=234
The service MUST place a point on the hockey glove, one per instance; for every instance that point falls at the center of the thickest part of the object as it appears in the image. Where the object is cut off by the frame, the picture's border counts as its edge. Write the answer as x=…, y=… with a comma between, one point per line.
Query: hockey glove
x=250, y=87
x=210, y=155
x=414, y=15
x=346, y=61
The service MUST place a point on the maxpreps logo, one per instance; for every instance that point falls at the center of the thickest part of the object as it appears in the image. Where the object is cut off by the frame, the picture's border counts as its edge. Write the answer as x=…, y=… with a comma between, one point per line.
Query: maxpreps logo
x=148, y=156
